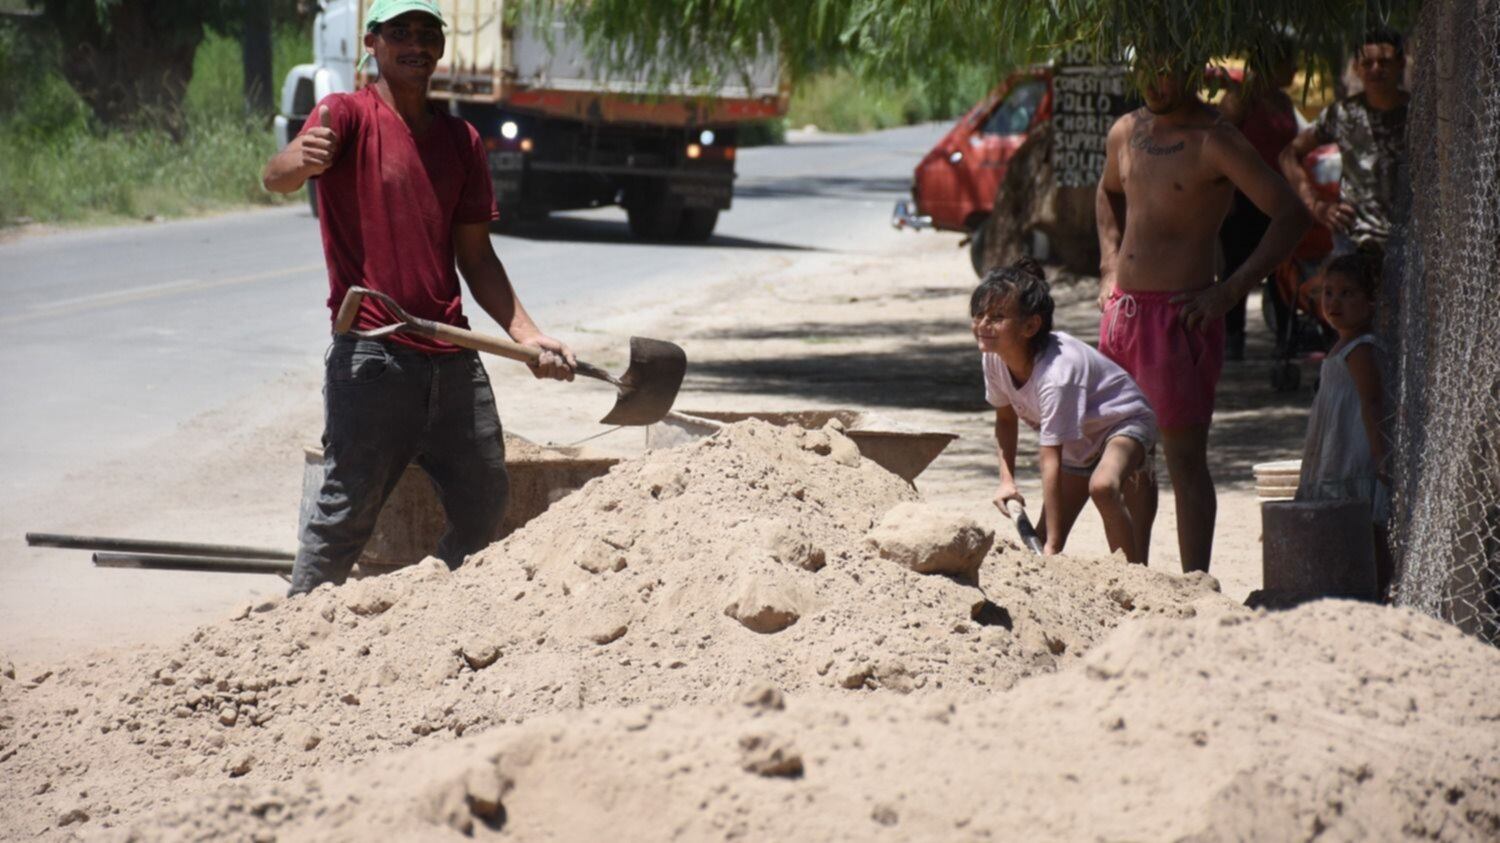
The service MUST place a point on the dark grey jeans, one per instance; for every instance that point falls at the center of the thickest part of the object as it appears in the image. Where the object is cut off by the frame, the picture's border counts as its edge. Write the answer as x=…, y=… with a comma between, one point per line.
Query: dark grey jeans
x=386, y=405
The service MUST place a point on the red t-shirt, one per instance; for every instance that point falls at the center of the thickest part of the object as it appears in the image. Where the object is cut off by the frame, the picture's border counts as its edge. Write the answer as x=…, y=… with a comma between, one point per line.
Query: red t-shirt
x=388, y=205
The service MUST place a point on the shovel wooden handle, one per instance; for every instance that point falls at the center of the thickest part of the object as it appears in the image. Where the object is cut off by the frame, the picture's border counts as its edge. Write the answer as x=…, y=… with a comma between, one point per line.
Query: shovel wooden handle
x=461, y=337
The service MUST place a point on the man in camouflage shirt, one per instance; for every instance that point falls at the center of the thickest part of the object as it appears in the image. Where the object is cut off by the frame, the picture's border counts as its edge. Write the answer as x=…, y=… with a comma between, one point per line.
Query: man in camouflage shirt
x=1370, y=130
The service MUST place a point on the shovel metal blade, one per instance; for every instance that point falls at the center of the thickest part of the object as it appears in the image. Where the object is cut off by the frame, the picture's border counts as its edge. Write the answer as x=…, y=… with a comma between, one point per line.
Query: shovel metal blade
x=650, y=383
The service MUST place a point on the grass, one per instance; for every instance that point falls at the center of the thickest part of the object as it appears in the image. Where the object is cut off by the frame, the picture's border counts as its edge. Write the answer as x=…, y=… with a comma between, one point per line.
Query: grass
x=841, y=101
x=61, y=167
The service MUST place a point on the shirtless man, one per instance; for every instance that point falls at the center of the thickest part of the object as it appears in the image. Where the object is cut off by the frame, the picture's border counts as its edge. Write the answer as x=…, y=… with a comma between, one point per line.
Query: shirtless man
x=1168, y=182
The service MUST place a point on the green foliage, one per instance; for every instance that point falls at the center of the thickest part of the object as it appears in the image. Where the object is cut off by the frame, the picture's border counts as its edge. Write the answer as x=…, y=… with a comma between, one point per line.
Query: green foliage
x=899, y=39
x=762, y=133
x=844, y=101
x=62, y=166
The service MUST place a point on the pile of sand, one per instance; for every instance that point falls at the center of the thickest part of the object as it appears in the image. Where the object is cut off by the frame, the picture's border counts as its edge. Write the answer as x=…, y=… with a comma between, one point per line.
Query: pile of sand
x=1337, y=721
x=605, y=649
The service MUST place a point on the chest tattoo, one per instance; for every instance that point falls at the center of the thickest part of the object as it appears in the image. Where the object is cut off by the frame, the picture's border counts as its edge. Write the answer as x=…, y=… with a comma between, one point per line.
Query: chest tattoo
x=1144, y=143
x=1141, y=140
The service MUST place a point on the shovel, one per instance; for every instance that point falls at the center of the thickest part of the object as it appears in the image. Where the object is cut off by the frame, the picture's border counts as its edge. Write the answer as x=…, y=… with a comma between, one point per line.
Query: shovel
x=647, y=388
x=1023, y=526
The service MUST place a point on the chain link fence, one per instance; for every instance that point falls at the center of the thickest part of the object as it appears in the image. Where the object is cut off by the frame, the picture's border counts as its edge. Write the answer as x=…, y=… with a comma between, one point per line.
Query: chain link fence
x=1442, y=322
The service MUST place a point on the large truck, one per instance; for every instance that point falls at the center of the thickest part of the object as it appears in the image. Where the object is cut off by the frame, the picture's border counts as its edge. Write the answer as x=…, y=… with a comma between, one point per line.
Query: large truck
x=562, y=133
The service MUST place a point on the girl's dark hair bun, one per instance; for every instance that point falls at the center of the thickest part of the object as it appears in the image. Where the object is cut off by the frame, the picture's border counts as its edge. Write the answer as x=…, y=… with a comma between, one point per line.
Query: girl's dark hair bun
x=1029, y=266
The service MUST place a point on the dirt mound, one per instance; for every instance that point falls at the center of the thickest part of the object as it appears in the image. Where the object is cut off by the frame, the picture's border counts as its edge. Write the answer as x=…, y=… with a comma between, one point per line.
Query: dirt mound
x=1336, y=721
x=690, y=576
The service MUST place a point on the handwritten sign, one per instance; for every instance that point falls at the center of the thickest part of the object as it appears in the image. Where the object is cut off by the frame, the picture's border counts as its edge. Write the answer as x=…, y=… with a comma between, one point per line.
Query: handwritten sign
x=1086, y=99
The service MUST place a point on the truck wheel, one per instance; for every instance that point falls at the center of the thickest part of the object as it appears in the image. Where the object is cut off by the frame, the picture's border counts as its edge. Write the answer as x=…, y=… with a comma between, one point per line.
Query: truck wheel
x=976, y=249
x=312, y=196
x=654, y=219
x=697, y=224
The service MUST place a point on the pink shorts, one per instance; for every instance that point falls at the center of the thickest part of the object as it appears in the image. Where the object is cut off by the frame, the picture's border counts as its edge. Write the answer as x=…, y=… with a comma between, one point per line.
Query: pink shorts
x=1177, y=369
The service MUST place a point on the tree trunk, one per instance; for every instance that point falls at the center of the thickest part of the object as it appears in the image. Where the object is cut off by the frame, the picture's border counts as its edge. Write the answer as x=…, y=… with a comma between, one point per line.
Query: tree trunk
x=1030, y=200
x=255, y=49
x=134, y=69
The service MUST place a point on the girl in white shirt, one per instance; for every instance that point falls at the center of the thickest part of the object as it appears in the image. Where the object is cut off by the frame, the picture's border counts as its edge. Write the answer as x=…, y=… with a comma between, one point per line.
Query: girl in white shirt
x=1097, y=431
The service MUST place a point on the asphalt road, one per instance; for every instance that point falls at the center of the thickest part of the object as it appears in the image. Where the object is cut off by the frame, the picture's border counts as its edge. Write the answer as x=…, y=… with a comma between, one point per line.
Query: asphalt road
x=114, y=337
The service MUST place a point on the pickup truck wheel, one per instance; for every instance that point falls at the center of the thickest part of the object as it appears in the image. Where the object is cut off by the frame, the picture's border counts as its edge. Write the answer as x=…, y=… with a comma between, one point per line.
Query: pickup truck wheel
x=654, y=219
x=976, y=249
x=697, y=224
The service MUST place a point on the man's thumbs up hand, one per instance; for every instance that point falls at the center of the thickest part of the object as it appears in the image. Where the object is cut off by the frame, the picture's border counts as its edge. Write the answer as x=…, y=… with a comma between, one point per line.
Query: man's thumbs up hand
x=320, y=144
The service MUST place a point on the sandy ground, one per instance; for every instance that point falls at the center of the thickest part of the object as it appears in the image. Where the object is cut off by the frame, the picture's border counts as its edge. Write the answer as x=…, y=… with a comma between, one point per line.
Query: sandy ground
x=755, y=636
x=880, y=331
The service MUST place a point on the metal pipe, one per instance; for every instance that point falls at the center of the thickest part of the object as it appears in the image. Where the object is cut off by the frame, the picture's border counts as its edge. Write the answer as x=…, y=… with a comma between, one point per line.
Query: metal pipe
x=217, y=564
x=150, y=546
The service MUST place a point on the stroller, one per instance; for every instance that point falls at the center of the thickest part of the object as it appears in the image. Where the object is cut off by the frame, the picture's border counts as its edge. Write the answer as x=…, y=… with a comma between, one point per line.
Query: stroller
x=1289, y=299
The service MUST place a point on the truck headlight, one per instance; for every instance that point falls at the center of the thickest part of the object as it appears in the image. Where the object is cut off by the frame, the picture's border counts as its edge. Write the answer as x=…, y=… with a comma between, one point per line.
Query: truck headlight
x=509, y=130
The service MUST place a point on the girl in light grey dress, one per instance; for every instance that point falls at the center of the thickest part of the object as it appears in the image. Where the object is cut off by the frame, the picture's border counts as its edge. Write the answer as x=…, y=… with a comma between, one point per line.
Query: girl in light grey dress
x=1344, y=455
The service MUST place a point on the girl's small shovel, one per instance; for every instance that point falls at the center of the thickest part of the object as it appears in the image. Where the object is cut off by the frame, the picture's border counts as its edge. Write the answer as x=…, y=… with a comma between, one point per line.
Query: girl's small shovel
x=1023, y=526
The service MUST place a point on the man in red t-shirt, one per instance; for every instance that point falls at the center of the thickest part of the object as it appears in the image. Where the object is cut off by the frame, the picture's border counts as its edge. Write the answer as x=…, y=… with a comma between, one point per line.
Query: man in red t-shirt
x=405, y=202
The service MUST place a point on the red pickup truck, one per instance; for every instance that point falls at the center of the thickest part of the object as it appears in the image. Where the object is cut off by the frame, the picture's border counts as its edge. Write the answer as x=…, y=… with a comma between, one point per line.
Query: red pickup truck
x=954, y=185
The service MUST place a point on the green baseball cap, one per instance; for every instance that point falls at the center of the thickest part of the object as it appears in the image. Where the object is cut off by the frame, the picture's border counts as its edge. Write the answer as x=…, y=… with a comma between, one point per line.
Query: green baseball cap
x=383, y=10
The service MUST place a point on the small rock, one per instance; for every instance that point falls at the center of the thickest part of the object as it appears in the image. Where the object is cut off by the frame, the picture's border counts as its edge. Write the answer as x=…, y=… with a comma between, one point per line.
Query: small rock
x=485, y=789
x=349, y=699
x=607, y=632
x=764, y=696
x=843, y=450
x=662, y=481
x=479, y=652
x=767, y=603
x=239, y=764
x=430, y=568
x=598, y=556
x=931, y=540
x=818, y=442
x=858, y=677
x=368, y=598
x=242, y=612
x=77, y=815
x=229, y=715
x=268, y=605
x=304, y=736
x=770, y=756
x=885, y=815
x=791, y=547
